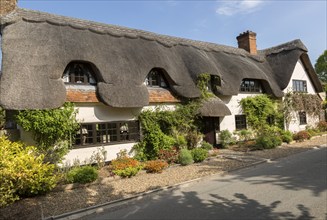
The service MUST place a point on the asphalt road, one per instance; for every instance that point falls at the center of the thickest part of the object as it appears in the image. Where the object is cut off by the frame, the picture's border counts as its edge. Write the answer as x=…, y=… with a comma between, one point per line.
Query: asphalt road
x=291, y=188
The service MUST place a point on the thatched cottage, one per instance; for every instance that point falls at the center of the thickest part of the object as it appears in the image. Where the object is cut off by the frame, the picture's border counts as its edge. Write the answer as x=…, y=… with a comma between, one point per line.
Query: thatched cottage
x=112, y=73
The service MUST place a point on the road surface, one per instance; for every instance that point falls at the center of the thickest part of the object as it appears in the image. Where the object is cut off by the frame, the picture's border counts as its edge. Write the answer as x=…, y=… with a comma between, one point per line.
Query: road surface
x=290, y=188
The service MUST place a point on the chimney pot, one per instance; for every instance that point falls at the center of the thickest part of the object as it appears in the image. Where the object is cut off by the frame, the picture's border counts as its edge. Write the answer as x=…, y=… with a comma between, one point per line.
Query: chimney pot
x=248, y=41
x=7, y=6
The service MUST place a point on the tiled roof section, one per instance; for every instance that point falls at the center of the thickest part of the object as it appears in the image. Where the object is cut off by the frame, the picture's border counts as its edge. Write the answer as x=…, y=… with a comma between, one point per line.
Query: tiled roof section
x=161, y=96
x=76, y=95
x=119, y=31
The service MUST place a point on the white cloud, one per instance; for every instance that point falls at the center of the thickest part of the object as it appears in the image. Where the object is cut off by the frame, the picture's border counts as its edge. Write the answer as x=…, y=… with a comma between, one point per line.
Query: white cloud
x=230, y=8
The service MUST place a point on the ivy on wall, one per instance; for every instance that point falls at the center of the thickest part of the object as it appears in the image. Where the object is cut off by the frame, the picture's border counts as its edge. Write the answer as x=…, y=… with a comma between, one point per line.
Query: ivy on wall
x=258, y=109
x=294, y=102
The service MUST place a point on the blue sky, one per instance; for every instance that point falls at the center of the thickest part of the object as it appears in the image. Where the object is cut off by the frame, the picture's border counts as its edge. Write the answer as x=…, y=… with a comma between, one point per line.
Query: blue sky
x=275, y=22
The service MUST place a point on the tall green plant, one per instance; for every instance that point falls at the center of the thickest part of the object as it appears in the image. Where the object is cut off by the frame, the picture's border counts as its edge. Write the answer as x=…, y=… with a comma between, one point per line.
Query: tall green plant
x=258, y=109
x=52, y=129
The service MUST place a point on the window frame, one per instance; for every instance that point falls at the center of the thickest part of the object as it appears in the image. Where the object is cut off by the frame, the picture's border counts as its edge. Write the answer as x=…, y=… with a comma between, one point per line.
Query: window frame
x=100, y=133
x=240, y=122
x=303, y=118
x=299, y=86
x=85, y=73
x=156, y=79
x=254, y=86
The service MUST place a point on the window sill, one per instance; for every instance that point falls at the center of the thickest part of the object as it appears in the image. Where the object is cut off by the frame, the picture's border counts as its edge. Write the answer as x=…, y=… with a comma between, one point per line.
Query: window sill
x=102, y=144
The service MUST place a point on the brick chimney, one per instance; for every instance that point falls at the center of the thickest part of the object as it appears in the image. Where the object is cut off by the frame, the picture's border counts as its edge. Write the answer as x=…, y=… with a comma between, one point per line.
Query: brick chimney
x=7, y=6
x=248, y=41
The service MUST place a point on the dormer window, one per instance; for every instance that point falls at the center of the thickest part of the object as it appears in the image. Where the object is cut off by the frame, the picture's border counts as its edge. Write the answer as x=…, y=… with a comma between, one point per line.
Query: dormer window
x=79, y=73
x=156, y=79
x=251, y=85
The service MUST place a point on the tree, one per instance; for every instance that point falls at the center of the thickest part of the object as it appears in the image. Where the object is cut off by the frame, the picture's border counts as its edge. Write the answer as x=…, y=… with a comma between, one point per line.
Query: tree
x=321, y=67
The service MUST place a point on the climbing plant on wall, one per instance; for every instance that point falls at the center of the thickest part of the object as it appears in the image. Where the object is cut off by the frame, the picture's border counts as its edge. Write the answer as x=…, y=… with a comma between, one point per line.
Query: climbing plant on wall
x=52, y=129
x=294, y=102
x=258, y=109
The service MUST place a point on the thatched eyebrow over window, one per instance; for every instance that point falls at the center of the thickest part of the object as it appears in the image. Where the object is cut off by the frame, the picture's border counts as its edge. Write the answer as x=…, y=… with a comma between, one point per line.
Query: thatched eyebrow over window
x=79, y=73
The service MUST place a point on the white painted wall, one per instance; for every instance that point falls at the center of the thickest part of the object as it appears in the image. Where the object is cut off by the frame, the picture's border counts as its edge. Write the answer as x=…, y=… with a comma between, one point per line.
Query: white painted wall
x=299, y=73
x=83, y=154
x=98, y=112
x=232, y=102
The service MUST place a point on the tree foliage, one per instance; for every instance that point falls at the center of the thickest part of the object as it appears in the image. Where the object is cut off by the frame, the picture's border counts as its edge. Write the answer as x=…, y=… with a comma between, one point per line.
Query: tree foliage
x=321, y=67
x=52, y=129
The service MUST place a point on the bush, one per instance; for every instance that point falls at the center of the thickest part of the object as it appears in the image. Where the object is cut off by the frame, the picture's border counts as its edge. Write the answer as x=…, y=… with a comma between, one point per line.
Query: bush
x=226, y=138
x=185, y=157
x=125, y=166
x=155, y=166
x=169, y=155
x=301, y=136
x=84, y=174
x=322, y=126
x=286, y=136
x=267, y=142
x=22, y=172
x=193, y=138
x=199, y=154
x=206, y=145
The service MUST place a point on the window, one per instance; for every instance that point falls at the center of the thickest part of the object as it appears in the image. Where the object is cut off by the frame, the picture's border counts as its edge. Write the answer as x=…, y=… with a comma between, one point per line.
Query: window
x=215, y=83
x=156, y=79
x=251, y=85
x=303, y=118
x=299, y=86
x=240, y=122
x=79, y=73
x=107, y=133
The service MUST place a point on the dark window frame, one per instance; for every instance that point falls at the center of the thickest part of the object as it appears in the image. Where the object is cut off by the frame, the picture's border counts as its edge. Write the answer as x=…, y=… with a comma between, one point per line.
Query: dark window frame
x=299, y=86
x=303, y=118
x=107, y=133
x=156, y=78
x=80, y=73
x=240, y=122
x=251, y=86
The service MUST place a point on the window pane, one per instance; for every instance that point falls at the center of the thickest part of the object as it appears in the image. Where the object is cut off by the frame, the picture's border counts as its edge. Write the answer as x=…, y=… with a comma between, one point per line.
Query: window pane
x=112, y=131
x=240, y=122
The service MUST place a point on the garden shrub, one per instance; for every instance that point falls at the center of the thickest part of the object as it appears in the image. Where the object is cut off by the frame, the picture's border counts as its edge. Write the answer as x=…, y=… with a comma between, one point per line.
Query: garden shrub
x=185, y=157
x=226, y=138
x=206, y=145
x=125, y=166
x=154, y=140
x=169, y=155
x=301, y=136
x=286, y=136
x=244, y=135
x=22, y=172
x=322, y=126
x=180, y=141
x=199, y=154
x=155, y=166
x=84, y=174
x=193, y=138
x=267, y=142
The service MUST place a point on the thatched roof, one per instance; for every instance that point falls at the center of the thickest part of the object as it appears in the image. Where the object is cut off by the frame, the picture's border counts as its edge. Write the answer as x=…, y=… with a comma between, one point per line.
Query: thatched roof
x=214, y=107
x=38, y=46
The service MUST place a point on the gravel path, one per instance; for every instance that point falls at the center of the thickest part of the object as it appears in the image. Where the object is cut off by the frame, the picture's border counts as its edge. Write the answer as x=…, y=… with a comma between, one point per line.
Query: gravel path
x=109, y=188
